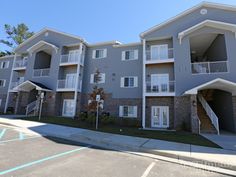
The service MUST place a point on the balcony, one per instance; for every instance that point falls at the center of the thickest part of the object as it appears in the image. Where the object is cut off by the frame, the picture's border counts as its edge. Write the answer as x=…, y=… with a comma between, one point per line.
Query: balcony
x=160, y=89
x=209, y=67
x=68, y=85
x=41, y=72
x=20, y=64
x=70, y=60
x=161, y=56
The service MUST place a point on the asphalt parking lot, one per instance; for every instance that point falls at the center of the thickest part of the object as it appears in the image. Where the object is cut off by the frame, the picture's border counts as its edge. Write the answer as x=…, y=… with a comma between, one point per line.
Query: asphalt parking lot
x=23, y=154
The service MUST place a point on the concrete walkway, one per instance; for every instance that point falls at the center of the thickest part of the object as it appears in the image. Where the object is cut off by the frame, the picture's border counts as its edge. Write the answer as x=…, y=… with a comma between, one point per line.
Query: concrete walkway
x=226, y=141
x=204, y=155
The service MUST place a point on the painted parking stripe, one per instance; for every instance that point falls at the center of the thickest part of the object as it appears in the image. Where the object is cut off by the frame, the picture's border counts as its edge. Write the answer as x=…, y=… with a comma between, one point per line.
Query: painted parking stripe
x=2, y=133
x=17, y=139
x=147, y=171
x=21, y=136
x=41, y=160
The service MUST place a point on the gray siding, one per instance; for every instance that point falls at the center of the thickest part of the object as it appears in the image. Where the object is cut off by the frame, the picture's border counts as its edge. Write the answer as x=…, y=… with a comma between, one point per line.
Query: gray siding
x=114, y=68
x=185, y=80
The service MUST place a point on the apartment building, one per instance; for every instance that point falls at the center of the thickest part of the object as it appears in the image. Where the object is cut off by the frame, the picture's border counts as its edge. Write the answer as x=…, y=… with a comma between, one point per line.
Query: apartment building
x=181, y=73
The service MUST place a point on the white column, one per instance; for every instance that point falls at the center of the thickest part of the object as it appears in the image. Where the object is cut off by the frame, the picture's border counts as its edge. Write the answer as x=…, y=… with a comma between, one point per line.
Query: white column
x=144, y=85
x=77, y=78
x=9, y=85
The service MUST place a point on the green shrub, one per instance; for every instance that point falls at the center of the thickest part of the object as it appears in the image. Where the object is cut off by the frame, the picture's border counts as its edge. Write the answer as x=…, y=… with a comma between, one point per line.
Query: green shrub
x=83, y=116
x=107, y=120
x=128, y=122
x=91, y=119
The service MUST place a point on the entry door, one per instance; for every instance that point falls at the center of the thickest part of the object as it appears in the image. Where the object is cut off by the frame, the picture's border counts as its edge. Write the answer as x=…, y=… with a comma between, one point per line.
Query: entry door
x=68, y=108
x=159, y=52
x=73, y=55
x=160, y=116
x=160, y=82
x=70, y=80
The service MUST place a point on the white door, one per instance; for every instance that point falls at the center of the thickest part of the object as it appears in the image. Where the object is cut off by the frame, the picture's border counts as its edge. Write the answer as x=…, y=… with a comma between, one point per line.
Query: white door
x=68, y=108
x=70, y=80
x=160, y=116
x=159, y=52
x=160, y=82
x=73, y=55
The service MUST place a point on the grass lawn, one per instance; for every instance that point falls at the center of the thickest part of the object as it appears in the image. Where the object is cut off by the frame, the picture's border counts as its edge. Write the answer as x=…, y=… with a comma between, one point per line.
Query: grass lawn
x=175, y=136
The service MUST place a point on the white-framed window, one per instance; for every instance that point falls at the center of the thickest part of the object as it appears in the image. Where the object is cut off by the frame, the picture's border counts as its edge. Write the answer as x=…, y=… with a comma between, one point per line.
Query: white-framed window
x=129, y=81
x=128, y=111
x=99, y=53
x=129, y=55
x=2, y=82
x=4, y=64
x=0, y=102
x=93, y=78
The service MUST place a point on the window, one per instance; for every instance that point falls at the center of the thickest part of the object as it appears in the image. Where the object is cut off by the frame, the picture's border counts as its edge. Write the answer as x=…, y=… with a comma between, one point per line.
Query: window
x=129, y=81
x=4, y=64
x=0, y=102
x=2, y=82
x=99, y=53
x=130, y=55
x=128, y=111
x=94, y=79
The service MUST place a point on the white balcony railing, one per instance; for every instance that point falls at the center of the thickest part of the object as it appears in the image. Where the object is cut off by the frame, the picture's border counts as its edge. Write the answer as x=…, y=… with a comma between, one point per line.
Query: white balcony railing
x=169, y=54
x=168, y=87
x=41, y=72
x=209, y=67
x=66, y=59
x=20, y=64
x=68, y=84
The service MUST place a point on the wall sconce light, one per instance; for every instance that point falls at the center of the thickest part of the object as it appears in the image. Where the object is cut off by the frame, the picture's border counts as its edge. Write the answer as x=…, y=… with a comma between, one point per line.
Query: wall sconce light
x=194, y=103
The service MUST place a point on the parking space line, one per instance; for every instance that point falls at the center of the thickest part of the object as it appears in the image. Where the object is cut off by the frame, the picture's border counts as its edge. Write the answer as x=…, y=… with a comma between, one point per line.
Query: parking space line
x=2, y=133
x=18, y=139
x=147, y=171
x=41, y=160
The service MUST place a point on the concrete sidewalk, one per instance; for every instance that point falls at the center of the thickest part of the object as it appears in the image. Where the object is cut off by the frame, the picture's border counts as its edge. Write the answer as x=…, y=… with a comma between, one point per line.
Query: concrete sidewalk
x=215, y=157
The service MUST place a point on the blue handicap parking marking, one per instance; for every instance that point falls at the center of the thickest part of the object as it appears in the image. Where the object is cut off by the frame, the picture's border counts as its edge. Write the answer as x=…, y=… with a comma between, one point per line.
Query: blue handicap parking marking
x=2, y=132
x=21, y=136
x=41, y=160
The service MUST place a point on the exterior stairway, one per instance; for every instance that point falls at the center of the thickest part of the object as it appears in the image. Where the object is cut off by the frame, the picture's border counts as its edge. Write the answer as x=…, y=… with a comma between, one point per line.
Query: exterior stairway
x=206, y=124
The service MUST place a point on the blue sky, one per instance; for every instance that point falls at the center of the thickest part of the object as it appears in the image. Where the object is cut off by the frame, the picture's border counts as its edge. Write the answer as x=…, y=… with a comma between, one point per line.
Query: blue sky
x=94, y=20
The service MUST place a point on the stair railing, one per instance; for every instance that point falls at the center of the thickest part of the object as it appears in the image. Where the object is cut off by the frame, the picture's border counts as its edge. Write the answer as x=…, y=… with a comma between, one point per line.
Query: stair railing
x=213, y=117
x=31, y=107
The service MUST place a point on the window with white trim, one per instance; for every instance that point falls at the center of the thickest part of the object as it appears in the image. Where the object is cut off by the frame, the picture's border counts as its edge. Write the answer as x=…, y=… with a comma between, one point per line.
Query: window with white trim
x=129, y=81
x=99, y=53
x=2, y=82
x=102, y=77
x=130, y=55
x=128, y=111
x=4, y=64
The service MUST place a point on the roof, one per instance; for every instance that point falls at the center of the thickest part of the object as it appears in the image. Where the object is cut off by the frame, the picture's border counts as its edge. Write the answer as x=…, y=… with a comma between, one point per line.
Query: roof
x=29, y=85
x=114, y=42
x=209, y=23
x=203, y=4
x=40, y=44
x=218, y=83
x=45, y=30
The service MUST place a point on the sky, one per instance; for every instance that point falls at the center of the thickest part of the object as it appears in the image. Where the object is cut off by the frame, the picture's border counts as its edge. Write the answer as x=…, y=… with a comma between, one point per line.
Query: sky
x=93, y=20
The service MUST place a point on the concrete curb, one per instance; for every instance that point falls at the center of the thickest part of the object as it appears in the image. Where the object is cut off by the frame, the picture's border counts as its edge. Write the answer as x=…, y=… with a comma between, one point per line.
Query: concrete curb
x=156, y=154
x=183, y=160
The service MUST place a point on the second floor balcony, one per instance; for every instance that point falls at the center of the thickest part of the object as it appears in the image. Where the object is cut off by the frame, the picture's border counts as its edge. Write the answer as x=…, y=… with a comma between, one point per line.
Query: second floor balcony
x=15, y=84
x=68, y=85
x=161, y=88
x=209, y=67
x=41, y=72
x=72, y=58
